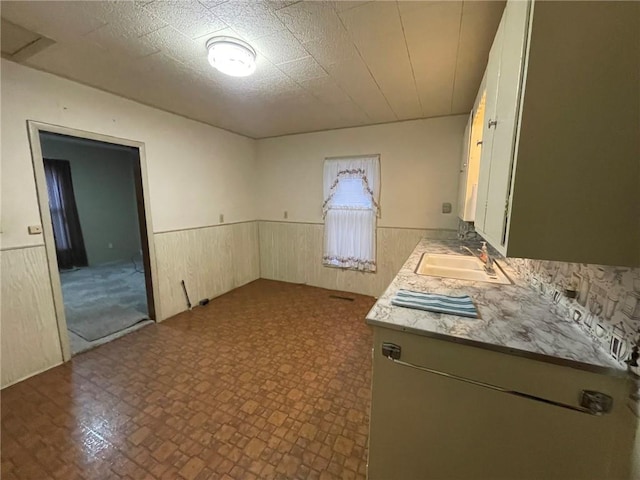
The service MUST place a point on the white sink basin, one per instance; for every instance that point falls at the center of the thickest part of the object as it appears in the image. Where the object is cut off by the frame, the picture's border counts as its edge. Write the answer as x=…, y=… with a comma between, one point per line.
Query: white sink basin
x=461, y=267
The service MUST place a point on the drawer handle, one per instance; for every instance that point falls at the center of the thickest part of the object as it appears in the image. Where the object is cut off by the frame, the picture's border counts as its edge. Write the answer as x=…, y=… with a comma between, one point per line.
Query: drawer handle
x=592, y=402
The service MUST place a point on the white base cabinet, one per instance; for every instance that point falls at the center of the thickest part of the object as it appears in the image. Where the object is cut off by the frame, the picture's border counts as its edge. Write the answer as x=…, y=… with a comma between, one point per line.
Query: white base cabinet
x=425, y=426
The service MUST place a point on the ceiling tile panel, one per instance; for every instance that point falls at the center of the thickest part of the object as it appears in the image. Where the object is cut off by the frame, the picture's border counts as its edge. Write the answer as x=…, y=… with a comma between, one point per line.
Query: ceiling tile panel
x=320, y=64
x=338, y=48
x=60, y=21
x=97, y=67
x=407, y=7
x=190, y=18
x=311, y=20
x=128, y=19
x=175, y=43
x=22, y=14
x=249, y=18
x=372, y=20
x=342, y=5
x=377, y=32
x=115, y=41
x=210, y=3
x=278, y=4
x=480, y=22
x=351, y=113
x=270, y=81
x=432, y=34
x=304, y=69
x=355, y=79
x=280, y=47
x=14, y=38
x=388, y=61
x=326, y=90
x=293, y=117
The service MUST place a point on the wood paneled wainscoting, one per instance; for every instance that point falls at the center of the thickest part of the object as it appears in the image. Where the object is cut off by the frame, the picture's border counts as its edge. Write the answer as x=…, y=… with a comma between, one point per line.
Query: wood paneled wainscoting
x=211, y=260
x=292, y=252
x=30, y=342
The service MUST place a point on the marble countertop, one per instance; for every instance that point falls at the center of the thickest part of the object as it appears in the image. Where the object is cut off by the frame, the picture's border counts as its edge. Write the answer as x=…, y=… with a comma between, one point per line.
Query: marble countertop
x=514, y=319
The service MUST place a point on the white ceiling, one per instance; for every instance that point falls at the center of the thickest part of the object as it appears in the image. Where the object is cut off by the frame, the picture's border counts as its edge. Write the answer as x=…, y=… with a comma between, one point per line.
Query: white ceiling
x=321, y=65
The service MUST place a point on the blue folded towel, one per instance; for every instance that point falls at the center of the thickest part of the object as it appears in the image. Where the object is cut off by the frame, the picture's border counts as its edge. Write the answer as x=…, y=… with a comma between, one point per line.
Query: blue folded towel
x=462, y=306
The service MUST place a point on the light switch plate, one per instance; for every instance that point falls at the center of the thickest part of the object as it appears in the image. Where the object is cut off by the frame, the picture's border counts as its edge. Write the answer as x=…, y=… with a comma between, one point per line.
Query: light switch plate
x=35, y=229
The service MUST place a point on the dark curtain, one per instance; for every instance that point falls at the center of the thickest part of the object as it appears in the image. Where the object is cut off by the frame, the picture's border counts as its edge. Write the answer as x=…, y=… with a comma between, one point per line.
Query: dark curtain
x=67, y=233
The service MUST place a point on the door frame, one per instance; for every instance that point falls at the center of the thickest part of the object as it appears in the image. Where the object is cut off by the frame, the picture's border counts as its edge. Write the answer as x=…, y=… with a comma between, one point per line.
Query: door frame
x=144, y=217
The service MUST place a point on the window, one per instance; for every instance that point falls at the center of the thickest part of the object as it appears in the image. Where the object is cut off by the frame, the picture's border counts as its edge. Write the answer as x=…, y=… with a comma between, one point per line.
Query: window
x=350, y=209
x=351, y=193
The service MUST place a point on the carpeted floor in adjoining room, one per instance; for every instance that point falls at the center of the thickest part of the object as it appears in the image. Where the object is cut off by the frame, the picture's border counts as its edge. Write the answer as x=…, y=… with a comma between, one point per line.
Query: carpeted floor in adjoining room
x=271, y=380
x=103, y=302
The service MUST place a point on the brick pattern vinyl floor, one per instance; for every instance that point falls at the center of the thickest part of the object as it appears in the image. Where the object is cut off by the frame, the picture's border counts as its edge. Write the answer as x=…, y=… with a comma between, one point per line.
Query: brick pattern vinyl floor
x=270, y=381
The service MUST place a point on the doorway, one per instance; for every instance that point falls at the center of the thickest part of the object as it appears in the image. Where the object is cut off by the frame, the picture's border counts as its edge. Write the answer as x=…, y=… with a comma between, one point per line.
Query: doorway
x=96, y=233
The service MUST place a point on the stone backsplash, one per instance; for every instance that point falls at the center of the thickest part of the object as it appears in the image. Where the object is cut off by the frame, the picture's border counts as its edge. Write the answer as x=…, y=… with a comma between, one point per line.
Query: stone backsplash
x=606, y=304
x=607, y=299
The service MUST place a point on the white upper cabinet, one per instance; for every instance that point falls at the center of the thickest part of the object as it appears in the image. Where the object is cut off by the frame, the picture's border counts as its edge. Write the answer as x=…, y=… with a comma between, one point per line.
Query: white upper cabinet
x=560, y=166
x=470, y=162
x=466, y=211
x=491, y=91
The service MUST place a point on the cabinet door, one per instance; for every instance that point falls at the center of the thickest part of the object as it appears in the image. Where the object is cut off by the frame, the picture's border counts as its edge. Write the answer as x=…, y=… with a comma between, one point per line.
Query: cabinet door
x=426, y=426
x=576, y=191
x=491, y=74
x=464, y=196
x=444, y=429
x=515, y=19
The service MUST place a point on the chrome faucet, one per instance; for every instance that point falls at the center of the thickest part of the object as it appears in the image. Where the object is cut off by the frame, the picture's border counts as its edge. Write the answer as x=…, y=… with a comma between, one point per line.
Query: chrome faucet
x=484, y=257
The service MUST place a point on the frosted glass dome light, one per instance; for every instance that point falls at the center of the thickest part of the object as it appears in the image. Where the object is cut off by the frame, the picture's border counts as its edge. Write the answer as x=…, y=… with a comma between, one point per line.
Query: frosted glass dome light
x=231, y=56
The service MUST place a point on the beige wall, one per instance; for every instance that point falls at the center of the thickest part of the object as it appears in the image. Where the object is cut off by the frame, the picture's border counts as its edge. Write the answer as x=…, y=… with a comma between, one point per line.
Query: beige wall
x=419, y=162
x=195, y=173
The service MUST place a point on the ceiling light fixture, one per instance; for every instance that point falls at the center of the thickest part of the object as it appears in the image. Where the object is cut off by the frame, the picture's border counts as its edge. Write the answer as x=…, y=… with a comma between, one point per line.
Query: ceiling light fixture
x=231, y=56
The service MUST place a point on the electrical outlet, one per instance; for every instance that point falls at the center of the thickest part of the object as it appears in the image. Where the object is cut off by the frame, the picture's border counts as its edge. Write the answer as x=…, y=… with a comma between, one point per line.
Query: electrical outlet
x=286, y=214
x=446, y=207
x=35, y=229
x=222, y=218
x=110, y=245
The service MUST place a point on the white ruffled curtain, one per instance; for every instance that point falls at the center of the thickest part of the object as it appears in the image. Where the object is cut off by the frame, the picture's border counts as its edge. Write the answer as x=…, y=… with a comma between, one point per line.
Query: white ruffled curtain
x=350, y=216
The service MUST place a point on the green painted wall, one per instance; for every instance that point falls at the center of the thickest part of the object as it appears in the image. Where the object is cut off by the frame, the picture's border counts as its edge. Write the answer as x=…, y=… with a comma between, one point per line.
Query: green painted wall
x=103, y=183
